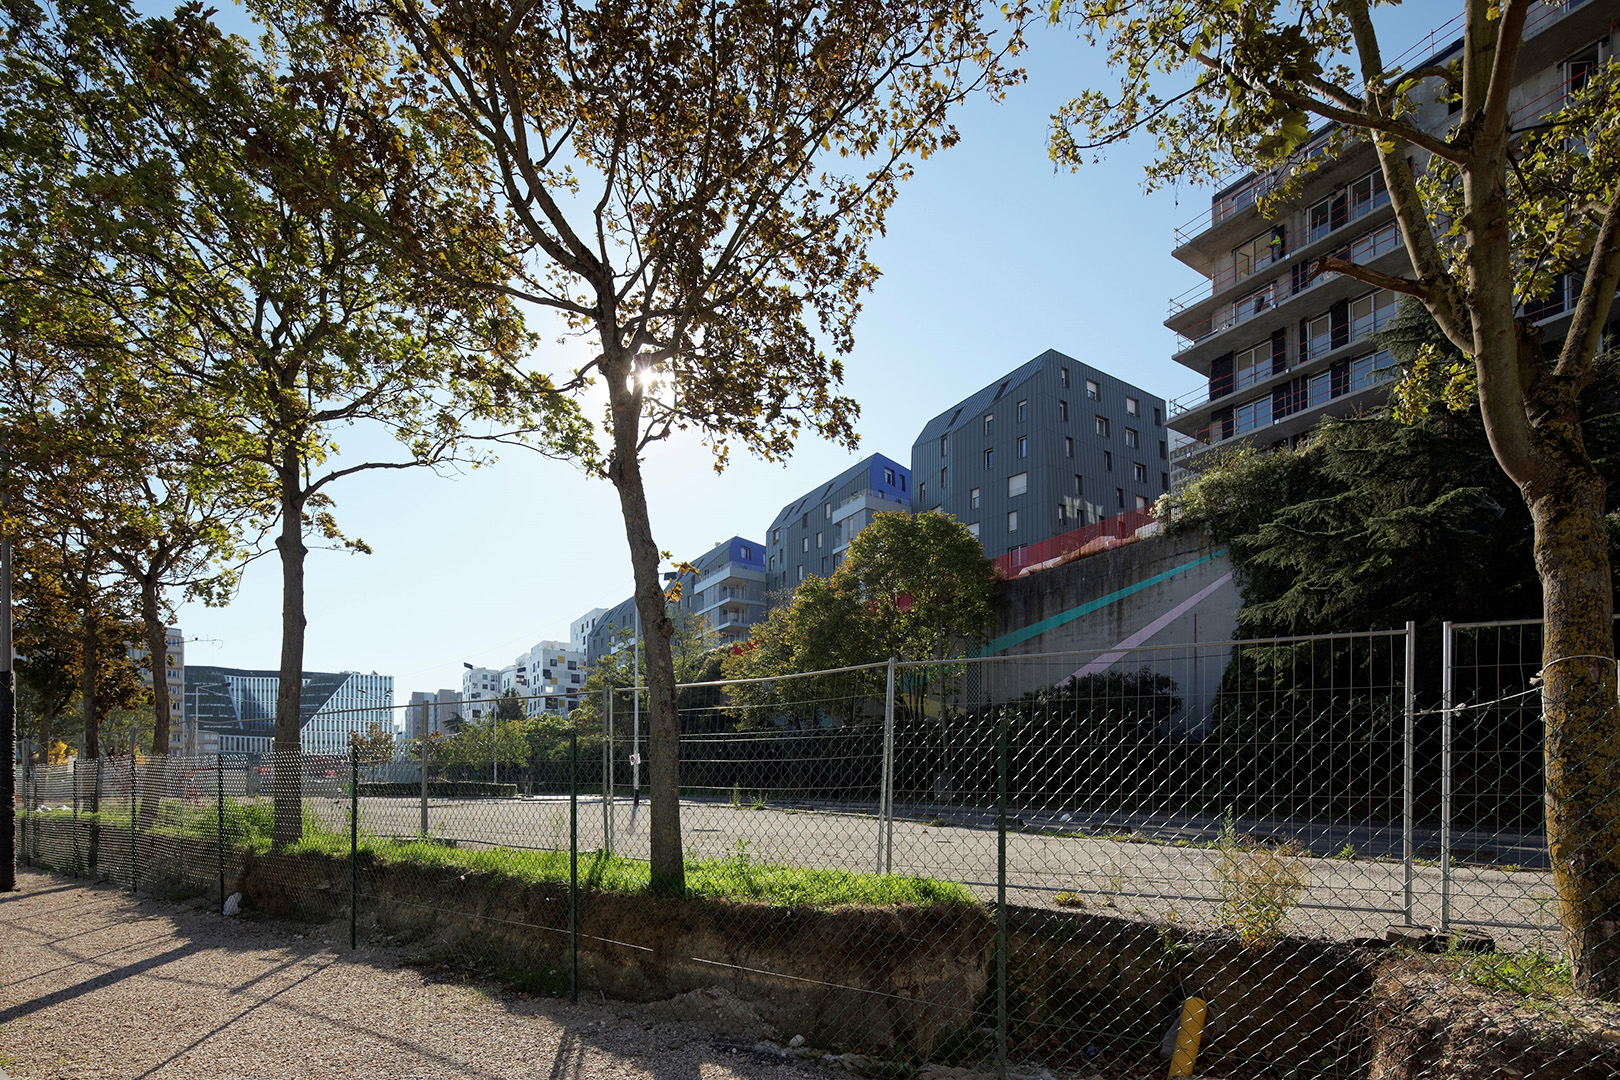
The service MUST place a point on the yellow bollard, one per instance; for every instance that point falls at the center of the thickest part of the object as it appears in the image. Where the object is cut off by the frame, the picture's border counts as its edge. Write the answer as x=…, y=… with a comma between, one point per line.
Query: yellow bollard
x=1188, y=1036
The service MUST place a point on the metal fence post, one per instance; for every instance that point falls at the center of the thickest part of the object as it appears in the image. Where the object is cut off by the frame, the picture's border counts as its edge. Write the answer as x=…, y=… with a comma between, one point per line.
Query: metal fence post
x=573, y=865
x=607, y=773
x=27, y=792
x=888, y=773
x=422, y=752
x=1001, y=897
x=354, y=844
x=1446, y=703
x=134, y=867
x=75, y=815
x=219, y=818
x=1408, y=732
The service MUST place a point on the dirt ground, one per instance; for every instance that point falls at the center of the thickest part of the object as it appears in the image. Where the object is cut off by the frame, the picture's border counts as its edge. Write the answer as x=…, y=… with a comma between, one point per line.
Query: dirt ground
x=95, y=983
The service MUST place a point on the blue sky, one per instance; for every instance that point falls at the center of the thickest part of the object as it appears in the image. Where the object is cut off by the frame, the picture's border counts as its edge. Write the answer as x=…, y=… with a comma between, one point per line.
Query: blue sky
x=991, y=256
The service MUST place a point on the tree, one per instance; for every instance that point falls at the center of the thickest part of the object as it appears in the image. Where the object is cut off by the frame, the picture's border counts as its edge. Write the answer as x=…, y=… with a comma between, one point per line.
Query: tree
x=911, y=586
x=1492, y=212
x=274, y=202
x=694, y=186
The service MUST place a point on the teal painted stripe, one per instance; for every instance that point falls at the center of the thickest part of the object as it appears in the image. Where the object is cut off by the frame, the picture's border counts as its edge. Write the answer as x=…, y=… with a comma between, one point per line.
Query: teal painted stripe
x=1006, y=641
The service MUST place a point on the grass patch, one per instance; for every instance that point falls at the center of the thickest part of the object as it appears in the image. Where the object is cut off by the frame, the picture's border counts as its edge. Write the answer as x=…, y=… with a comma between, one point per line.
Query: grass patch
x=1530, y=974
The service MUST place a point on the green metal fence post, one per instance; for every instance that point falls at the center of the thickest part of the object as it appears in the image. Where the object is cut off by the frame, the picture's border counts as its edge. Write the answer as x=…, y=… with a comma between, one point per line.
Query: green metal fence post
x=27, y=765
x=354, y=844
x=75, y=815
x=219, y=822
x=1001, y=898
x=573, y=866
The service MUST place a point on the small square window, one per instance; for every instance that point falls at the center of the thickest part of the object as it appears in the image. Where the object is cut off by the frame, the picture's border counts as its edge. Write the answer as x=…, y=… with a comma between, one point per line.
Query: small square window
x=1141, y=502
x=973, y=530
x=1023, y=446
x=1093, y=391
x=1017, y=484
x=990, y=459
x=1068, y=446
x=1012, y=521
x=973, y=499
x=1132, y=406
x=888, y=477
x=1023, y=411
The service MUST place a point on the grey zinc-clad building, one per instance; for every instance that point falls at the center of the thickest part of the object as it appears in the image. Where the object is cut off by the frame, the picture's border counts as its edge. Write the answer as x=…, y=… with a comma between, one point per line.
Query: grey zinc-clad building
x=1050, y=447
x=809, y=535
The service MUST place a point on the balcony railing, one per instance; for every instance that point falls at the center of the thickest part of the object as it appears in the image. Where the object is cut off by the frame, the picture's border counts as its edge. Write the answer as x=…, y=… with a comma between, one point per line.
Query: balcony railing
x=1363, y=249
x=1364, y=373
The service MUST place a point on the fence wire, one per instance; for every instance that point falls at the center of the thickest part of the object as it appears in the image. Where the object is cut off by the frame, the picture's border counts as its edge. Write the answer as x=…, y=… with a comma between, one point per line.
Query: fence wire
x=1333, y=845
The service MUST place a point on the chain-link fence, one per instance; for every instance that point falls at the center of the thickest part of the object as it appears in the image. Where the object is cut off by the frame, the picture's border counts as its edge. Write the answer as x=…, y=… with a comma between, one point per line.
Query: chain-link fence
x=1330, y=852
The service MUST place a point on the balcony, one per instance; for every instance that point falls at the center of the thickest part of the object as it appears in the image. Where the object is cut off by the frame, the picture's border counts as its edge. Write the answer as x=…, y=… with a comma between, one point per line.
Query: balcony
x=1364, y=249
x=1258, y=415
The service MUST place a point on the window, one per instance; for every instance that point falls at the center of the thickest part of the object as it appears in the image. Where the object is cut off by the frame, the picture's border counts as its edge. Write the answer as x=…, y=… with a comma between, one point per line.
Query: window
x=818, y=539
x=1017, y=484
x=804, y=543
x=1023, y=446
x=888, y=476
x=804, y=520
x=1131, y=438
x=942, y=484
x=1023, y=411
x=574, y=679
x=943, y=445
x=973, y=499
x=1079, y=484
x=1108, y=460
x=771, y=564
x=1139, y=470
x=1141, y=502
x=1318, y=336
x=1132, y=406
x=745, y=552
x=1119, y=497
x=1367, y=193
x=990, y=459
x=573, y=665
x=1063, y=410
x=1158, y=416
x=1102, y=426
x=801, y=571
x=902, y=481
x=1068, y=446
x=1371, y=313
x=1164, y=481
x=1093, y=391
x=1255, y=414
x=922, y=491
x=1012, y=521
x=989, y=423
x=1255, y=253
x=824, y=565
x=776, y=536
x=1063, y=377
x=826, y=510
x=973, y=530
x=1164, y=454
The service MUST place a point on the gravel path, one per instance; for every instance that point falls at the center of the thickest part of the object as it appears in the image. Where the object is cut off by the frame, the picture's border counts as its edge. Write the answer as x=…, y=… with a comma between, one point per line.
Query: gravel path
x=95, y=983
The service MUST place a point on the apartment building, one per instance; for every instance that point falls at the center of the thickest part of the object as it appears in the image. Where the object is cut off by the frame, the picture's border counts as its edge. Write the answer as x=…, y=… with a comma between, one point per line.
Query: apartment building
x=728, y=590
x=1051, y=446
x=431, y=713
x=480, y=686
x=238, y=707
x=810, y=535
x=610, y=628
x=1277, y=349
x=556, y=678
x=579, y=631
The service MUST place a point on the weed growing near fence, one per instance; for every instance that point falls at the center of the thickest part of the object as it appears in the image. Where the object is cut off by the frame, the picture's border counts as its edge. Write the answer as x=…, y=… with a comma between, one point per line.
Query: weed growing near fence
x=1260, y=884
